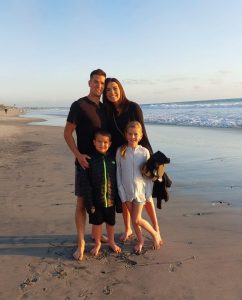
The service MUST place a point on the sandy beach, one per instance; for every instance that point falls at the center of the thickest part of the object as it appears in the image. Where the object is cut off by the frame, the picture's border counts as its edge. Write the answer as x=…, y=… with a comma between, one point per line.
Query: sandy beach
x=201, y=225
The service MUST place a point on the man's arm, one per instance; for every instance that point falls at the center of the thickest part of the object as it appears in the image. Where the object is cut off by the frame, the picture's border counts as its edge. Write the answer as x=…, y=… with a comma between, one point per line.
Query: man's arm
x=68, y=135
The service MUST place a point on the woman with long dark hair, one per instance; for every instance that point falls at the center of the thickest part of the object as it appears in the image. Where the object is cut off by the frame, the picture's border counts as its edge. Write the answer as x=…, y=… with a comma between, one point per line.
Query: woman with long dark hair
x=121, y=111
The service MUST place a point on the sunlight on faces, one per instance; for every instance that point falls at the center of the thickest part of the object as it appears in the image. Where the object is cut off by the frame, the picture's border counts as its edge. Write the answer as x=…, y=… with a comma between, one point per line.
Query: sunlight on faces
x=133, y=136
x=102, y=143
x=96, y=84
x=113, y=92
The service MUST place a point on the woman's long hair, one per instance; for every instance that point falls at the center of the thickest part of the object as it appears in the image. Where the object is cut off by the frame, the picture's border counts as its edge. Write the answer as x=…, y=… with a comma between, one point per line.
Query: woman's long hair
x=122, y=101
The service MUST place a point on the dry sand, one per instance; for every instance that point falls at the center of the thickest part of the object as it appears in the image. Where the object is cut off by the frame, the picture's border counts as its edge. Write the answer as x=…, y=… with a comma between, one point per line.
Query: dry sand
x=201, y=257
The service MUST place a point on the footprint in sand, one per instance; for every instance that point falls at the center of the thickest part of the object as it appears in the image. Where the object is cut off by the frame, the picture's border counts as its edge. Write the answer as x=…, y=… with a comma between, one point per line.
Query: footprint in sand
x=107, y=290
x=30, y=281
x=198, y=214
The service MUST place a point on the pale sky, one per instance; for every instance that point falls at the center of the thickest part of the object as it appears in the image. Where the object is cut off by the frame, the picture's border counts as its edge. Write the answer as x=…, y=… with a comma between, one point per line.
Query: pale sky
x=161, y=51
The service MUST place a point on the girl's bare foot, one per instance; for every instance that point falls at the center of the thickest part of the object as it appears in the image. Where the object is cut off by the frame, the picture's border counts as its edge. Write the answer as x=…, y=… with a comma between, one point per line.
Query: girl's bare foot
x=95, y=249
x=115, y=248
x=157, y=241
x=125, y=236
x=161, y=242
x=138, y=248
x=79, y=253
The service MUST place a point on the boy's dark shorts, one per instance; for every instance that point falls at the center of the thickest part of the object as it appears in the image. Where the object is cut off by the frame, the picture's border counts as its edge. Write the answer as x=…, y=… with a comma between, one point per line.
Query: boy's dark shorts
x=103, y=215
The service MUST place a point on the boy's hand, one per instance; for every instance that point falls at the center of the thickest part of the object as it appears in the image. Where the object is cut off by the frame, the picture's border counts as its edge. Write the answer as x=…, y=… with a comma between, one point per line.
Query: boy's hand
x=90, y=210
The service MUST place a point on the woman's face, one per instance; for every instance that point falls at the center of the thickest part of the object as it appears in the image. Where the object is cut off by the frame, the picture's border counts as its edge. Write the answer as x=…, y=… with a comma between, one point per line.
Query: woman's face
x=113, y=92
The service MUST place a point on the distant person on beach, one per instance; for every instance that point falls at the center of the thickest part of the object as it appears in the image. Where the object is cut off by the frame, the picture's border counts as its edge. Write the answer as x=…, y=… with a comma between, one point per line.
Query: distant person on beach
x=120, y=112
x=134, y=190
x=86, y=115
x=6, y=111
x=99, y=191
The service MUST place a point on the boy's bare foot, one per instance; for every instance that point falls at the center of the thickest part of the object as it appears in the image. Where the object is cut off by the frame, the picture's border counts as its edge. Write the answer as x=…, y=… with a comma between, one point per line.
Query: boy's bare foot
x=138, y=248
x=95, y=249
x=125, y=236
x=115, y=248
x=79, y=253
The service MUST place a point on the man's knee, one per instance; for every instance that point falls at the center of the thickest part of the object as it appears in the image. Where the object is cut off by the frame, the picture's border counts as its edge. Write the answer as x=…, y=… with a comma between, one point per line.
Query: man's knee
x=80, y=205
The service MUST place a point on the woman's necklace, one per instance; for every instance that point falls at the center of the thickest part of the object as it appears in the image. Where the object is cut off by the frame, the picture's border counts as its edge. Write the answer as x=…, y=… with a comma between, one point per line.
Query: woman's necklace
x=120, y=131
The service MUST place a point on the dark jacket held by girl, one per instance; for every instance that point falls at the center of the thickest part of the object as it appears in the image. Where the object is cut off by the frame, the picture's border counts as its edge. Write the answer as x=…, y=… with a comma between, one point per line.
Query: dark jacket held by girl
x=98, y=186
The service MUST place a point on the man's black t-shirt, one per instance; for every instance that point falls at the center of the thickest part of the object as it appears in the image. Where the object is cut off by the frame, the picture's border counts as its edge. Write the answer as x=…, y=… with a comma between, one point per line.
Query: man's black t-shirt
x=88, y=117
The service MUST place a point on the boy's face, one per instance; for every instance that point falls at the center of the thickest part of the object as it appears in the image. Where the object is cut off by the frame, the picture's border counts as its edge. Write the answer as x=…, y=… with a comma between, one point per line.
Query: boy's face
x=102, y=143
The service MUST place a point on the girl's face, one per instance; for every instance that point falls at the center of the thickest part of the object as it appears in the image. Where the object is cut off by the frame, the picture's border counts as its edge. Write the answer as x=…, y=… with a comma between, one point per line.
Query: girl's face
x=133, y=136
x=113, y=92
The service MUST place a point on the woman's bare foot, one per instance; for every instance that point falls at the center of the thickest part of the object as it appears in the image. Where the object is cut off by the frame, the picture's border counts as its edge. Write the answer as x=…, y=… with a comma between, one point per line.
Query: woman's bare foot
x=104, y=238
x=138, y=248
x=79, y=253
x=95, y=249
x=125, y=236
x=115, y=248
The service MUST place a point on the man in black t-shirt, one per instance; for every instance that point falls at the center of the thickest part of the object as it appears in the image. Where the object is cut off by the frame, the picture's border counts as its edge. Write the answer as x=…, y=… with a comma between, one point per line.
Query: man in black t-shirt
x=86, y=115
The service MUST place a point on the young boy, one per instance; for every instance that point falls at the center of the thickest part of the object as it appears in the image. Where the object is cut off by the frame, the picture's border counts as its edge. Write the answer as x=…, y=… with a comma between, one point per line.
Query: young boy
x=100, y=191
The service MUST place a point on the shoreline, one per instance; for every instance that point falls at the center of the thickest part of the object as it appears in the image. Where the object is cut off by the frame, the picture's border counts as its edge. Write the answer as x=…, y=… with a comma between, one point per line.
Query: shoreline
x=202, y=241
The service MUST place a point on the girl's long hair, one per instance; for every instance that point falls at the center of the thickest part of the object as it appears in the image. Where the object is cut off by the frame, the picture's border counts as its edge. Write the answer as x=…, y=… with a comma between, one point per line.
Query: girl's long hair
x=132, y=124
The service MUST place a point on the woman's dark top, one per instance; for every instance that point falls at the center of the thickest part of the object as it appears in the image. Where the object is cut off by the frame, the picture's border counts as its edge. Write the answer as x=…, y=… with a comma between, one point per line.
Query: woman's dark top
x=118, y=122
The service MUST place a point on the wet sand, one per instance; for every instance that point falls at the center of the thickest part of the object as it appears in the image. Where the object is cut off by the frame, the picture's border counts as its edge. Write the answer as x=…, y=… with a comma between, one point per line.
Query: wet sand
x=201, y=257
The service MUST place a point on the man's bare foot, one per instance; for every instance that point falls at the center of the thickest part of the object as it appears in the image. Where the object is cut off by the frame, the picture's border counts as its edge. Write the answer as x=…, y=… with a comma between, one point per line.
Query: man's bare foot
x=125, y=236
x=115, y=248
x=138, y=248
x=95, y=249
x=79, y=253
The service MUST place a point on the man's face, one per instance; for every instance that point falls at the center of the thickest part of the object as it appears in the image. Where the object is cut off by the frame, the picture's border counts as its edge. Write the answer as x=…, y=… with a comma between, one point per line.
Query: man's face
x=96, y=84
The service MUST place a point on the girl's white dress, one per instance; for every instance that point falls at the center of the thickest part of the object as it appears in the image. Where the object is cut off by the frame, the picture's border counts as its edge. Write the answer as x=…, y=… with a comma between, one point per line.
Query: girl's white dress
x=131, y=184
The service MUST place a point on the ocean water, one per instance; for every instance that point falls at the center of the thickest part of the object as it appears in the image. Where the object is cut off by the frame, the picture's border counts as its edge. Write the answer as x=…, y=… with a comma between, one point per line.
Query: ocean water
x=202, y=139
x=226, y=113
x=205, y=162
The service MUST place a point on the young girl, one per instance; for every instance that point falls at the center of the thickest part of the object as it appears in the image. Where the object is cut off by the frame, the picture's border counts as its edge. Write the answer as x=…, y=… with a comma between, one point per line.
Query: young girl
x=134, y=190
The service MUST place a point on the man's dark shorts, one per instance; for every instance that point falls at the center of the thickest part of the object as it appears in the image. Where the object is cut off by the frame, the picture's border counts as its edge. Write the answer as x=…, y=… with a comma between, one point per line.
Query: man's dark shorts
x=103, y=215
x=78, y=174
